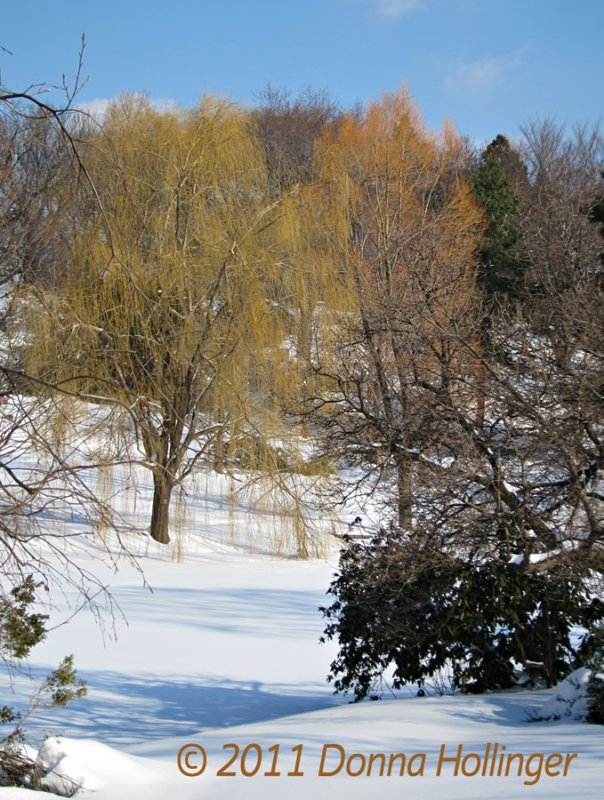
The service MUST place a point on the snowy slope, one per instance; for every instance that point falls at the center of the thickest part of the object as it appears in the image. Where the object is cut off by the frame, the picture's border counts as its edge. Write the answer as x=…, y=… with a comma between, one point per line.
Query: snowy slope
x=225, y=650
x=216, y=642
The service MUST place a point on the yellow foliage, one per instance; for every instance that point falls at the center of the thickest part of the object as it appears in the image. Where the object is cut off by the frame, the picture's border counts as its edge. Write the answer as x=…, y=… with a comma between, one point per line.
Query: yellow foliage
x=195, y=298
x=166, y=306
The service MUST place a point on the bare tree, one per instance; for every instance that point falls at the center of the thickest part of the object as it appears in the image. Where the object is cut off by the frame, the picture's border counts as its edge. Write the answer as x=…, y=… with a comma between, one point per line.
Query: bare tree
x=47, y=508
x=288, y=129
x=36, y=476
x=35, y=178
x=404, y=230
x=561, y=244
x=498, y=549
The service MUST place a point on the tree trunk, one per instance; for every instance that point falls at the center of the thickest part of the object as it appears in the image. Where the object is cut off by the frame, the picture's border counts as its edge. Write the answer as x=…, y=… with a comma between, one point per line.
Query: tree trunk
x=305, y=336
x=219, y=451
x=162, y=491
x=405, y=492
x=484, y=348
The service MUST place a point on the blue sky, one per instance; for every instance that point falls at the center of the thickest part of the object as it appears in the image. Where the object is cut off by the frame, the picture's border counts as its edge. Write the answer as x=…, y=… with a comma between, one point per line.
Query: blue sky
x=489, y=65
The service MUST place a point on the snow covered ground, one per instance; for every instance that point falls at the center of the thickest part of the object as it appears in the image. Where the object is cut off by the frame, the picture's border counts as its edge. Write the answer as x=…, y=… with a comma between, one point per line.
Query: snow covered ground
x=218, y=648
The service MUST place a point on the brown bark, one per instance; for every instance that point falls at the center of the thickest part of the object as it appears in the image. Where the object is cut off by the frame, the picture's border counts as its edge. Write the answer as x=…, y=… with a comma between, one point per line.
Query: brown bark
x=160, y=518
x=405, y=492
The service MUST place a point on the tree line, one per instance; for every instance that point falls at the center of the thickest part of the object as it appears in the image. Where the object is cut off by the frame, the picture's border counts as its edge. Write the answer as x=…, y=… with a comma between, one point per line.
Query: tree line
x=428, y=313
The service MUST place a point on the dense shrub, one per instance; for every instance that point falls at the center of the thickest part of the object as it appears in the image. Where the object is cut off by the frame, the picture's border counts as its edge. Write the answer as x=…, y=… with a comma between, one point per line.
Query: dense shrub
x=493, y=625
x=595, y=687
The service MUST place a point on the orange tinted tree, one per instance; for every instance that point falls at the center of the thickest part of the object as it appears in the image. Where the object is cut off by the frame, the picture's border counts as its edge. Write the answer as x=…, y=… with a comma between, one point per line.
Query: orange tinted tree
x=403, y=242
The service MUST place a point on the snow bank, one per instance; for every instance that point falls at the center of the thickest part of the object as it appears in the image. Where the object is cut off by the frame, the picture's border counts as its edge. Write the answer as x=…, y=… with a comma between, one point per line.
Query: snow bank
x=570, y=698
x=74, y=765
x=61, y=759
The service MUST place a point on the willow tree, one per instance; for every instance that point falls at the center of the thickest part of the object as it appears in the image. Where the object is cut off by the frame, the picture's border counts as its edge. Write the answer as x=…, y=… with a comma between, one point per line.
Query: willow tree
x=404, y=235
x=165, y=305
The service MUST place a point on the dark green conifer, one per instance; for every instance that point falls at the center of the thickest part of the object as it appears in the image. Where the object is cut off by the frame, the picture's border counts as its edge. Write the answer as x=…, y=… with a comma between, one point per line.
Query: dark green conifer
x=497, y=184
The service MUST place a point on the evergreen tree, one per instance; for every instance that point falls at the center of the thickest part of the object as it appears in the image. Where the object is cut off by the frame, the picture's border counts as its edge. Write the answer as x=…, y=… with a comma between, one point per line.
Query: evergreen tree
x=497, y=185
x=20, y=630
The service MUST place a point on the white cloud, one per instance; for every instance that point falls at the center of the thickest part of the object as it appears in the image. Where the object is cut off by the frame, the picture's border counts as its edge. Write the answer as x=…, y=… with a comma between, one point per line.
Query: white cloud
x=98, y=108
x=396, y=8
x=481, y=75
x=95, y=108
